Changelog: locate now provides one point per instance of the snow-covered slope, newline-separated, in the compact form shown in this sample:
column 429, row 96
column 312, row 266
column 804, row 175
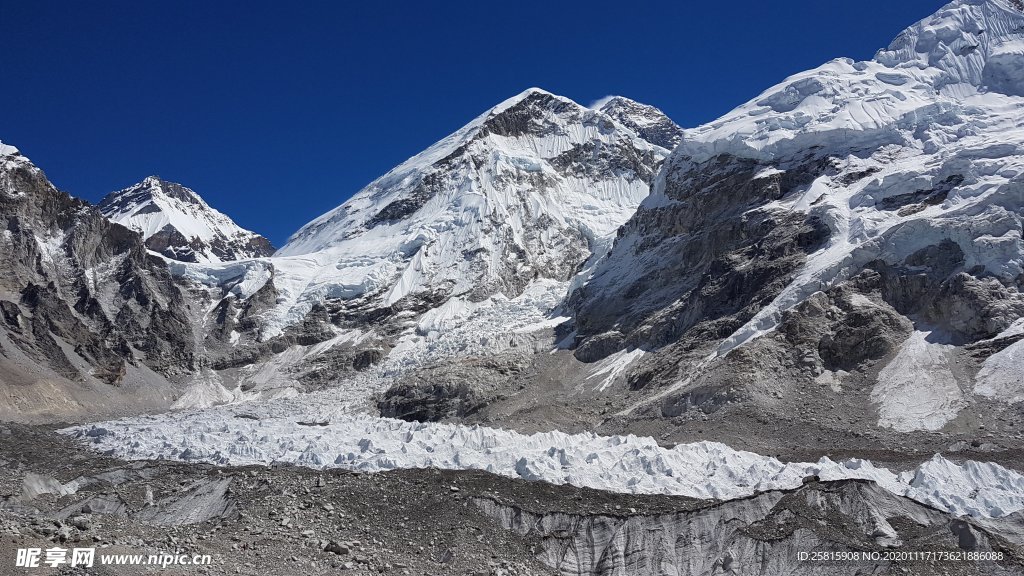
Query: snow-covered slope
column 939, row 108
column 177, row 223
column 936, row 110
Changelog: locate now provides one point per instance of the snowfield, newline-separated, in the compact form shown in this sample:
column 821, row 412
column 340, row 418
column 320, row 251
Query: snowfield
column 248, row 434
column 917, row 390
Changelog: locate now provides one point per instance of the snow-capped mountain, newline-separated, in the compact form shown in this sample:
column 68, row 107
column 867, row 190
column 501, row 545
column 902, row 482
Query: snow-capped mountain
column 528, row 190
column 502, row 214
column 859, row 222
column 178, row 223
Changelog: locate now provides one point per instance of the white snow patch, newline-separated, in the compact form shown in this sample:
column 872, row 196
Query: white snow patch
column 1002, row 375
column 769, row 171
column 1012, row 330
column 917, row 390
column 204, row 390
column 614, row 366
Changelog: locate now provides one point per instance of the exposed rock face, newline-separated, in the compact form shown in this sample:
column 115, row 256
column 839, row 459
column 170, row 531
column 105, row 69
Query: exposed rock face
column 700, row 262
column 451, row 390
column 177, row 223
column 764, row 534
column 82, row 300
column 647, row 121
column 843, row 328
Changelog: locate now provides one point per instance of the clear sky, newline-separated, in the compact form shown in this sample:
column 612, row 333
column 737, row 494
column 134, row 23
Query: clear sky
column 276, row 112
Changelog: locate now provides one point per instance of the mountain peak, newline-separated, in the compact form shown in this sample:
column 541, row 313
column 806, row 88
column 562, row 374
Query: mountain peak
column 11, row 156
column 176, row 222
column 533, row 111
column 157, row 186
column 648, row 122
column 529, row 93
column 524, row 195
column 525, row 132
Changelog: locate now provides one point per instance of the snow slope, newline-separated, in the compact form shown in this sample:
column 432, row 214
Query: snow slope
column 918, row 390
column 1002, row 374
column 330, row 439
column 179, row 224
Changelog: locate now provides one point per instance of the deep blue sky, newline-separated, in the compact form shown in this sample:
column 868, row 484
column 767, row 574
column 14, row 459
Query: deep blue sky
column 276, row 111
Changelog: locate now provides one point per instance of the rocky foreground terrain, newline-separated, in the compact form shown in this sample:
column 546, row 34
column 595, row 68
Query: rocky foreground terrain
column 287, row 520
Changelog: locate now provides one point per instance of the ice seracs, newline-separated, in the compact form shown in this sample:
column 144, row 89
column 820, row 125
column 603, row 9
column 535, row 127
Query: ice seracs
column 178, row 223
column 977, row 43
column 627, row 464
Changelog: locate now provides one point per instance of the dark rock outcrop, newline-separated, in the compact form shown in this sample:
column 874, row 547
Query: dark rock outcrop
column 700, row 264
column 81, row 296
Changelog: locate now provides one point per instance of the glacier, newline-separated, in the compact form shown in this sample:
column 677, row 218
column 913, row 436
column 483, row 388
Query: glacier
column 330, row 438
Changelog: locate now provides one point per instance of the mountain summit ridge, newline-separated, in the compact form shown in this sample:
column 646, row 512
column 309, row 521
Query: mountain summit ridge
column 523, row 114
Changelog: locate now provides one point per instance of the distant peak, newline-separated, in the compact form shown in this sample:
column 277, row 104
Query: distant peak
column 647, row 121
column 176, row 222
column 610, row 100
column 611, row 103
column 534, row 90
column 157, row 185
column 146, row 192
